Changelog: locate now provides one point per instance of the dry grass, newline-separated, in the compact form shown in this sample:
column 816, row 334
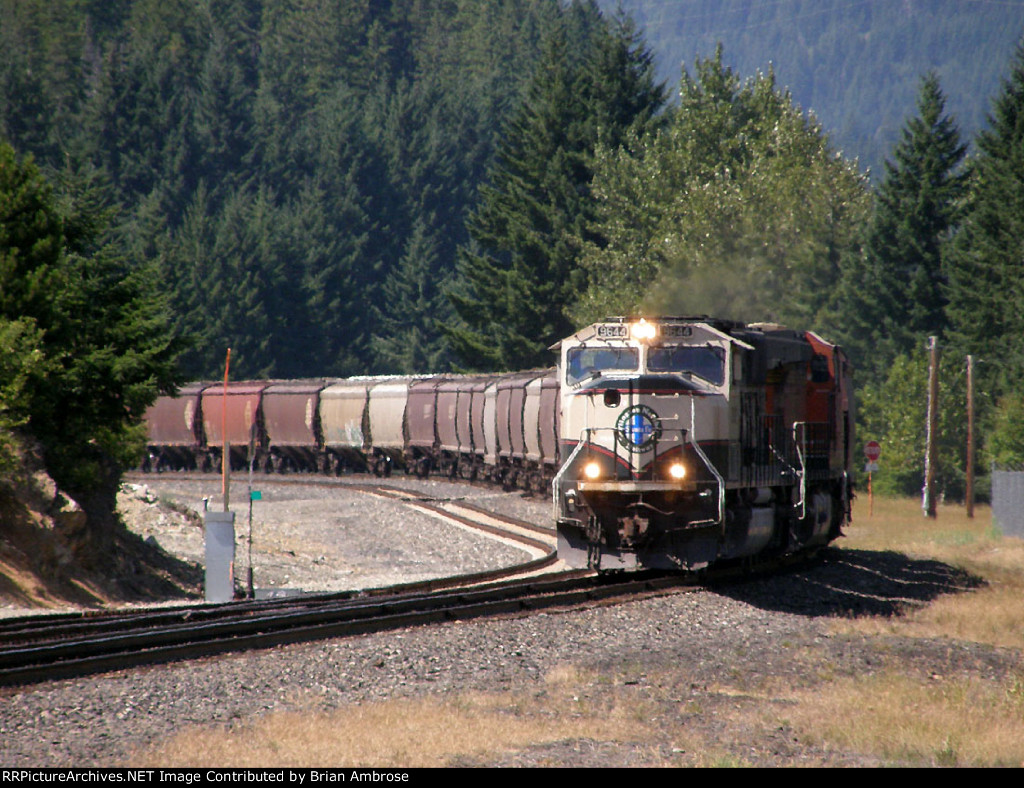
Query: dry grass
column 898, row 719
column 992, row 614
column 937, row 720
column 414, row 732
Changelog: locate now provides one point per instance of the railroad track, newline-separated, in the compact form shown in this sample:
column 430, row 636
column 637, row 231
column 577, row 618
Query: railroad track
column 46, row 649
column 56, row 646
column 540, row 542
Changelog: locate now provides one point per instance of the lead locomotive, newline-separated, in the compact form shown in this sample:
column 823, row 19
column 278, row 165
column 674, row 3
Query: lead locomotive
column 687, row 441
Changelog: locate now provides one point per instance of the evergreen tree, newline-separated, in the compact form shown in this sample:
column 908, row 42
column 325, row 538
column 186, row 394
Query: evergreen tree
column 986, row 276
column 98, row 323
column 144, row 108
column 1005, row 442
column 407, row 338
column 893, row 411
column 330, row 227
column 228, row 80
column 893, row 296
column 30, row 260
column 335, row 129
column 593, row 84
column 738, row 208
column 43, row 72
column 21, row 363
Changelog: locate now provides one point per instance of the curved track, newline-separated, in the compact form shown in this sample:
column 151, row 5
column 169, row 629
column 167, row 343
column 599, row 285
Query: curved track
column 44, row 647
column 49, row 647
column 539, row 542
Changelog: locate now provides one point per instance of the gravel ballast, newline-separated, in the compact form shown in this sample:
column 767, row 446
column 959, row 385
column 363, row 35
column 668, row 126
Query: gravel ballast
column 742, row 634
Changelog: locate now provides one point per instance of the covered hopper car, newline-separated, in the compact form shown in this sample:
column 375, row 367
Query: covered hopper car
column 446, row 424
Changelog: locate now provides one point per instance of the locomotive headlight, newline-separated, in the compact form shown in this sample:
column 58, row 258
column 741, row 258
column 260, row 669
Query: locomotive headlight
column 677, row 471
column 643, row 330
column 591, row 470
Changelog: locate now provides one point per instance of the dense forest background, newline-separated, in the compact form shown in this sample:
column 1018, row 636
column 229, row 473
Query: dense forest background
column 343, row 187
column 285, row 165
column 854, row 64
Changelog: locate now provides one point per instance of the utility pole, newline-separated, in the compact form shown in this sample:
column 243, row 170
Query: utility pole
column 970, row 436
column 928, row 497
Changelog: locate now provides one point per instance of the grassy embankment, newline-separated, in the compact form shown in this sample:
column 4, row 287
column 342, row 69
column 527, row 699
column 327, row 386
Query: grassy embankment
column 945, row 720
column 890, row 715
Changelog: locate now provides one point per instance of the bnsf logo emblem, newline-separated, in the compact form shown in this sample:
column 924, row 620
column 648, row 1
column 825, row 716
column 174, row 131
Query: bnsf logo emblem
column 638, row 428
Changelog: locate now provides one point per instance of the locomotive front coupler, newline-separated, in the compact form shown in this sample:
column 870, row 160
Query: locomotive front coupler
column 632, row 529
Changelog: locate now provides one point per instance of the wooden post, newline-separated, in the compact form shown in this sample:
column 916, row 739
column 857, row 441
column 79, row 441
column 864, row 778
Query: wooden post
column 970, row 436
column 225, row 449
column 928, row 497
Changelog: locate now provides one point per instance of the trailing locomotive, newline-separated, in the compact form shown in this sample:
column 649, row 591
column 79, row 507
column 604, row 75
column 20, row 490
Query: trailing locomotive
column 669, row 443
column 689, row 441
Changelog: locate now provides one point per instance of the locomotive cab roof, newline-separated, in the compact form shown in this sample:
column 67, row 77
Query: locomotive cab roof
column 657, row 328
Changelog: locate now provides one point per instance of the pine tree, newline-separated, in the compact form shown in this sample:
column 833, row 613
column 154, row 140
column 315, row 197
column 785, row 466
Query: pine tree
column 407, row 338
column 330, row 227
column 893, row 296
column 519, row 273
column 986, row 276
column 99, row 322
column 893, row 410
column 42, row 75
column 30, row 259
column 228, row 81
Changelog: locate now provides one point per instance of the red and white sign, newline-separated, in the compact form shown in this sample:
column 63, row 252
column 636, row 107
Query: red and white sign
column 872, row 450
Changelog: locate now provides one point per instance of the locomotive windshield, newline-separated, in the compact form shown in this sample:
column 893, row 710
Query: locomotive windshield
column 583, row 362
column 707, row 362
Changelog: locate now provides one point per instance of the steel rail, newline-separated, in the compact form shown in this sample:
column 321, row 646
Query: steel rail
column 55, row 625
column 157, row 645
column 87, row 635
column 55, row 647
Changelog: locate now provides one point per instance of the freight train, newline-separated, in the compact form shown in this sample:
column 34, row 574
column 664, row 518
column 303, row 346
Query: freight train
column 669, row 443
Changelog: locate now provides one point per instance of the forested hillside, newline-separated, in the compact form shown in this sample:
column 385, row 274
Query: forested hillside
column 333, row 187
column 855, row 64
column 289, row 166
